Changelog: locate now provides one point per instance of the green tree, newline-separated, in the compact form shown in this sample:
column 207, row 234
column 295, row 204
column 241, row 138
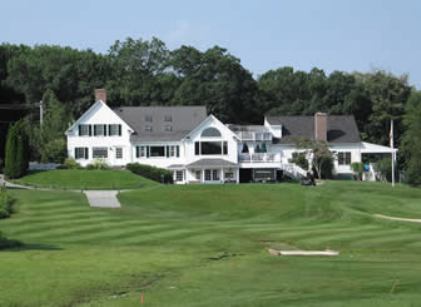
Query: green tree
column 412, row 139
column 50, row 137
column 216, row 79
column 319, row 154
column 17, row 151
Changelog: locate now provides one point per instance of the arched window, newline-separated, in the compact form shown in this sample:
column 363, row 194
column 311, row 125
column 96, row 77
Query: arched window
column 211, row 132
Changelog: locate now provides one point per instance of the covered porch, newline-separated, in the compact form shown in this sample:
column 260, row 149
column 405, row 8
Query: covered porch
column 212, row 171
column 370, row 153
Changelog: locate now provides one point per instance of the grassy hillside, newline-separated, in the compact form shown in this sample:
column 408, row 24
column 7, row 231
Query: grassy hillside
column 85, row 179
column 205, row 246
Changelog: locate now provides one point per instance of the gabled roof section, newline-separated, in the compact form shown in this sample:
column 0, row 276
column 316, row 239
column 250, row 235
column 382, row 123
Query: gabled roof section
column 208, row 119
column 340, row 128
column 92, row 109
column 159, row 123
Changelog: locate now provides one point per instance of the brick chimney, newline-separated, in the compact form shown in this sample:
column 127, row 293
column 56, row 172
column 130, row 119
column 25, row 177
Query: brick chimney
column 320, row 126
column 101, row 94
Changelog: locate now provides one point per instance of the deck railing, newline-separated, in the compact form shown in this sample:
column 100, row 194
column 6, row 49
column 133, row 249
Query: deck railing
column 254, row 136
column 259, row 158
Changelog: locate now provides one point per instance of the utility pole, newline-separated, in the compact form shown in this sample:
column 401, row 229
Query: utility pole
column 41, row 113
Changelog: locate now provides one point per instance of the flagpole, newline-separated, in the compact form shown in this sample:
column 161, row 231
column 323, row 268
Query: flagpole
column 393, row 153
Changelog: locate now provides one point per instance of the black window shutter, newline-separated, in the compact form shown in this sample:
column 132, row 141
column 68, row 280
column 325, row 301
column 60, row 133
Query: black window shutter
column 147, row 152
column 86, row 153
column 105, row 130
column 109, row 129
column 75, row 153
column 119, row 130
column 80, row 130
column 137, row 151
column 197, row 148
column 90, row 130
column 178, row 151
column 167, row 150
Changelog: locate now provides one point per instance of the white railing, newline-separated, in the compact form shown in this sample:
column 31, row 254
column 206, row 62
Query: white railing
column 293, row 170
column 259, row 158
column 254, row 136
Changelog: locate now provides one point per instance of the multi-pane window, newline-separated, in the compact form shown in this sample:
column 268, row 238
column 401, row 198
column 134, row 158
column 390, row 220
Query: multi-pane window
column 100, row 130
column 85, row 130
column 211, row 148
column 157, row 151
column 168, row 118
column 140, row 151
column 81, row 153
column 208, row 174
column 99, row 152
column 168, row 128
column 179, row 175
column 198, row 175
column 148, row 128
column 119, row 153
column 114, row 129
column 344, row 158
column 173, row 151
column 229, row 175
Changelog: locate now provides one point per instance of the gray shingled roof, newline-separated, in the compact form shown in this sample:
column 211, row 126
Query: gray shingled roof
column 184, row 120
column 211, row 163
column 340, row 128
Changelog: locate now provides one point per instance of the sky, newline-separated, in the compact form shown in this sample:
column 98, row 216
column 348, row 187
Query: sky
column 347, row 35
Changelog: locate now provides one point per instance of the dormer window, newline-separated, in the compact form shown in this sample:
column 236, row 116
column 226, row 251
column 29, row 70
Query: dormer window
column 148, row 118
column 168, row 118
column 148, row 128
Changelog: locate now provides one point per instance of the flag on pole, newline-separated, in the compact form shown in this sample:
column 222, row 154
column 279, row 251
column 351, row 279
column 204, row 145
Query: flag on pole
column 391, row 134
column 393, row 152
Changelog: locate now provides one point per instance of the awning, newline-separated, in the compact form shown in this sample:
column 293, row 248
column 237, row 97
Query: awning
column 374, row 148
column 211, row 163
column 176, row 166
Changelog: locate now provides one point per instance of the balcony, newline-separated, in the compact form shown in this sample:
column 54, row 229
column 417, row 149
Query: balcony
column 254, row 136
column 259, row 158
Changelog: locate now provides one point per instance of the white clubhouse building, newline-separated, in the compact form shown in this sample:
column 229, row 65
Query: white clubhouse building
column 200, row 148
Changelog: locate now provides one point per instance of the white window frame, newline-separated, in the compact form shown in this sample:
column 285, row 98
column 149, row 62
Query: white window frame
column 119, row 153
column 101, row 156
column 84, row 151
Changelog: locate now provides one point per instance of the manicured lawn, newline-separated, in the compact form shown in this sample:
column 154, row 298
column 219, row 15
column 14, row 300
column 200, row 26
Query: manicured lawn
column 85, row 179
column 205, row 246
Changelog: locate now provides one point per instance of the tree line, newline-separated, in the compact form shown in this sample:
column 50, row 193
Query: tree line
column 147, row 72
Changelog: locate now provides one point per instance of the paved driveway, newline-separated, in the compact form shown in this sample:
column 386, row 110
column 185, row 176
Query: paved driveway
column 103, row 199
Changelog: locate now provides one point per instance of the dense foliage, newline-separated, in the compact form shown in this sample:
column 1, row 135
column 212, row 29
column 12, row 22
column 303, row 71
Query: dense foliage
column 151, row 172
column 142, row 72
column 17, row 150
column 6, row 204
column 412, row 140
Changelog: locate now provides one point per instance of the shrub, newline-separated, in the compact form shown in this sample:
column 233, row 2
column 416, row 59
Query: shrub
column 358, row 169
column 6, row 243
column 71, row 163
column 98, row 164
column 151, row 172
column 6, row 204
column 384, row 168
column 299, row 158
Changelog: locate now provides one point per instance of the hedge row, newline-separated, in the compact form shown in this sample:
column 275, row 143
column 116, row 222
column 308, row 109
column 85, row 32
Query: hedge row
column 151, row 172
